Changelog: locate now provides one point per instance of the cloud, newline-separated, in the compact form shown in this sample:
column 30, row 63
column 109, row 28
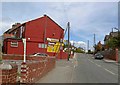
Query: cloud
column 93, row 18
column 60, row 0
column 5, row 24
column 86, row 18
column 82, row 45
column 78, row 44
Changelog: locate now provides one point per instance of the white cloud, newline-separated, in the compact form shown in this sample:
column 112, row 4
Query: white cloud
column 85, row 18
column 60, row 0
column 79, row 44
column 4, row 26
column 82, row 44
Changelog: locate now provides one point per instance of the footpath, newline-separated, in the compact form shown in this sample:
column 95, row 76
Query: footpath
column 62, row 73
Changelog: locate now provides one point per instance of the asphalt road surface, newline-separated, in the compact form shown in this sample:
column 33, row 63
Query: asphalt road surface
column 89, row 70
column 83, row 68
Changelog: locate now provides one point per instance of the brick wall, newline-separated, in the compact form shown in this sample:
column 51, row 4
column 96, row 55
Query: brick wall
column 119, row 56
column 33, row 70
column 19, row 57
column 111, row 54
column 7, row 74
column 60, row 55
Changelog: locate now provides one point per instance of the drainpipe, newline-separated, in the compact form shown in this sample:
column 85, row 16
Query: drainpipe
column 24, row 43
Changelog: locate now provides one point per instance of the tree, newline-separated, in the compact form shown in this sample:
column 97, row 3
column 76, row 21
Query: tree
column 98, row 47
column 78, row 50
column 113, row 43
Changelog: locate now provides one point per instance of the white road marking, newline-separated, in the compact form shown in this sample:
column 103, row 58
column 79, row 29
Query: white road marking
column 98, row 65
column 103, row 67
column 110, row 71
column 90, row 61
column 74, row 61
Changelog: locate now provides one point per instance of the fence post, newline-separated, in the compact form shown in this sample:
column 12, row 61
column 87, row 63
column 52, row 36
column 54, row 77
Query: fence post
column 23, row 73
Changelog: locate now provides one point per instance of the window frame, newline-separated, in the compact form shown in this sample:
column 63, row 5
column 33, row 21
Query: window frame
column 12, row 44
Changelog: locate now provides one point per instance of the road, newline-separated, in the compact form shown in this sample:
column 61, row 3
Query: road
column 83, row 68
column 89, row 70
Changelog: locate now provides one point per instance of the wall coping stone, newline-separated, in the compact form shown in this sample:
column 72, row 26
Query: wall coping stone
column 6, row 66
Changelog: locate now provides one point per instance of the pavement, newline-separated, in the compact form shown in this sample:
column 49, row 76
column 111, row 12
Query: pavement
column 109, row 61
column 82, row 69
column 62, row 73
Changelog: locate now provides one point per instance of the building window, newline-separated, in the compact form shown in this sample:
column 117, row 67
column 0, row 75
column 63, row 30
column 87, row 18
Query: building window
column 45, row 46
column 14, row 44
column 39, row 45
column 42, row 45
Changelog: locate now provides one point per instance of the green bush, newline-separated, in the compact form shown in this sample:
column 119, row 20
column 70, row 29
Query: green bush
column 78, row 50
column 113, row 43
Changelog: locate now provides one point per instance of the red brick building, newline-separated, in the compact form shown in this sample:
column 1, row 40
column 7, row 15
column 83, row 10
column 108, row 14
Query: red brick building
column 39, row 33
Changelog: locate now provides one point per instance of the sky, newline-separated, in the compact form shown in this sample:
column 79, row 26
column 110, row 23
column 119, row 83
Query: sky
column 86, row 18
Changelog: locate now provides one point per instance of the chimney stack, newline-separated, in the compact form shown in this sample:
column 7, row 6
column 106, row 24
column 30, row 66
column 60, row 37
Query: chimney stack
column 45, row 15
column 15, row 25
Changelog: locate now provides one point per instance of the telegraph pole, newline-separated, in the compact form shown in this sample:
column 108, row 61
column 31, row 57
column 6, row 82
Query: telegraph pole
column 45, row 32
column 94, row 42
column 88, row 46
column 68, row 40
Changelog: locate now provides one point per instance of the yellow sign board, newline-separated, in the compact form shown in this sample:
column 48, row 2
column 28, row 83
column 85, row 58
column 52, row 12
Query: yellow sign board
column 54, row 47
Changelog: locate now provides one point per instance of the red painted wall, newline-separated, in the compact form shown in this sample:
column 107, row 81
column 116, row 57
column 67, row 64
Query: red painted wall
column 53, row 28
column 15, row 50
column 32, row 47
column 35, row 29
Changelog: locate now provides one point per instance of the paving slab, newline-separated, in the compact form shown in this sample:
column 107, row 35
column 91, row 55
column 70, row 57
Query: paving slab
column 62, row 73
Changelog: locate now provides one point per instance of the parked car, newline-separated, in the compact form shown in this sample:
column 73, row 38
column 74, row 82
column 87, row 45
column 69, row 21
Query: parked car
column 98, row 56
column 40, row 54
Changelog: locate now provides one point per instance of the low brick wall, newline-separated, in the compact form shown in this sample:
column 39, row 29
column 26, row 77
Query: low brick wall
column 60, row 55
column 118, row 56
column 34, row 68
column 8, row 73
column 111, row 54
column 20, row 57
column 32, row 71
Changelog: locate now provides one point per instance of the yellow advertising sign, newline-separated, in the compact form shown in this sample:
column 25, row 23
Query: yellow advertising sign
column 54, row 47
